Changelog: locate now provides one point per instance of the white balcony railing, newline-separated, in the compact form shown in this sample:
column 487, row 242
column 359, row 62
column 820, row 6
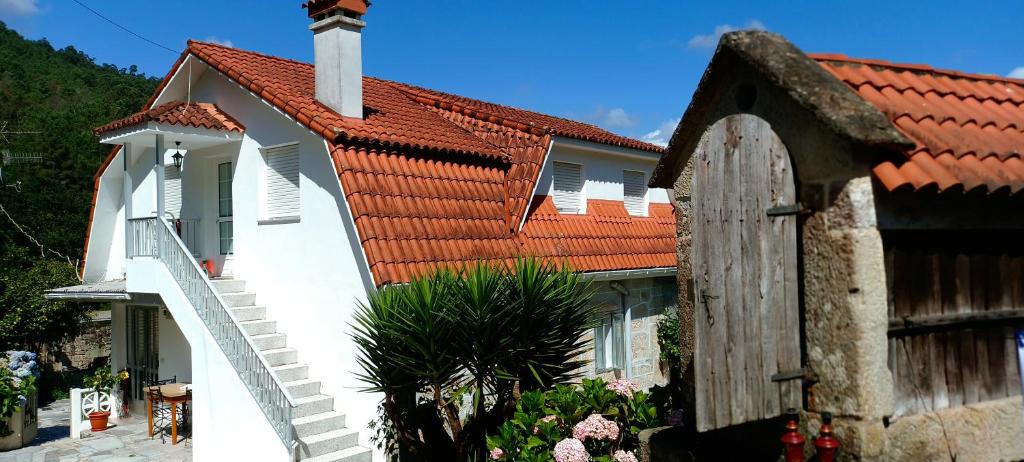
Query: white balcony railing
column 155, row 238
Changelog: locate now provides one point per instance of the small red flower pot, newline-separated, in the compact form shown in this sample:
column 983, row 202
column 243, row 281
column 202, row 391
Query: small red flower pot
column 98, row 420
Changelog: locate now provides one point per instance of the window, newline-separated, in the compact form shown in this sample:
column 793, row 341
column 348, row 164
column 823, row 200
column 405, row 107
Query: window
column 225, row 224
column 172, row 190
column 282, row 188
column 610, row 341
column 634, row 192
column 568, row 179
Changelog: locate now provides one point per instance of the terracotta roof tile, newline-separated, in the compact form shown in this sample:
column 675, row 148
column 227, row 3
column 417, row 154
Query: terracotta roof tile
column 198, row 115
column 968, row 128
column 434, row 179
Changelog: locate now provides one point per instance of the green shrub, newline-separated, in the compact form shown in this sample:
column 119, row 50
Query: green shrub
column 470, row 342
column 606, row 418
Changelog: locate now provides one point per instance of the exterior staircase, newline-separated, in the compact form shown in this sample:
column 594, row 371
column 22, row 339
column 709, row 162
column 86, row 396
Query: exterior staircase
column 320, row 429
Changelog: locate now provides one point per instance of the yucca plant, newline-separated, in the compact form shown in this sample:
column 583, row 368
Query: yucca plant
column 487, row 331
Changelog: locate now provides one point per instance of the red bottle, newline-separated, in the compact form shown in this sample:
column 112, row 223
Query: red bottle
column 826, row 444
column 792, row 440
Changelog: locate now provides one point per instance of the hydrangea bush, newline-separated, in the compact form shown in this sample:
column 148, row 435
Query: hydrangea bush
column 598, row 421
column 17, row 383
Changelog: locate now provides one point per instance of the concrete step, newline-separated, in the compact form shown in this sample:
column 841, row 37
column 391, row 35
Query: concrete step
column 324, row 443
column 303, row 388
column 224, row 286
column 250, row 313
column 353, row 454
column 270, row 341
column 260, row 327
column 318, row 423
column 239, row 299
column 292, row 372
column 313, row 405
column 281, row 356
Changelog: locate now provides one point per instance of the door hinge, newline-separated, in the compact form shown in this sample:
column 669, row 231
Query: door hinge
column 788, row 209
column 801, row 374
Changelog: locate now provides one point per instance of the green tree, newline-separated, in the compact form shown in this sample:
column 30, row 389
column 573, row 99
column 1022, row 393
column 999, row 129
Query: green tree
column 483, row 336
column 62, row 94
column 27, row 320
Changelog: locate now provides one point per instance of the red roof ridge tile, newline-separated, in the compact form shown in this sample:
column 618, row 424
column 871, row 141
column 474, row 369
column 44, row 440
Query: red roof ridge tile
column 842, row 58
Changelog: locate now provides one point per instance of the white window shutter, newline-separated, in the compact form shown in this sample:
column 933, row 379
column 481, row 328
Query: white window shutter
column 568, row 179
column 634, row 192
column 172, row 190
column 282, row 200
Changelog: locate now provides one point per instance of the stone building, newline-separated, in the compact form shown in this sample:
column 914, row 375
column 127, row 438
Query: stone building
column 880, row 206
column 645, row 301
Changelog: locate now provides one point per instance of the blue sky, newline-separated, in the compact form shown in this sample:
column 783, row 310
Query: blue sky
column 630, row 67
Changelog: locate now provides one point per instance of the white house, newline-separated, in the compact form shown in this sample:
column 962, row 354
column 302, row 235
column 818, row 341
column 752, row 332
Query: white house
column 302, row 188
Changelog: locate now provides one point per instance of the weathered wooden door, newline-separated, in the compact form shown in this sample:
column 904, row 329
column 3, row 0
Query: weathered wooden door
column 747, row 327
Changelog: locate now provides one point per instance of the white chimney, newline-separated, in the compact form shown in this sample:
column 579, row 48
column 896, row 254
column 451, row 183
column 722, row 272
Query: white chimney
column 338, row 56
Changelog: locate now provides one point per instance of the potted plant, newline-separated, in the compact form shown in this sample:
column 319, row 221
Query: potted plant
column 18, row 423
column 102, row 380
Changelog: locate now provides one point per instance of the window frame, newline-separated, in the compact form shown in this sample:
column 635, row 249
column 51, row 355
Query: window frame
column 265, row 218
column 607, row 357
column 581, row 199
column 644, row 199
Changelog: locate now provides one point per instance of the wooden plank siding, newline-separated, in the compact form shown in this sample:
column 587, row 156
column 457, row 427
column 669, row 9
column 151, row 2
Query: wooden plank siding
column 954, row 301
column 745, row 275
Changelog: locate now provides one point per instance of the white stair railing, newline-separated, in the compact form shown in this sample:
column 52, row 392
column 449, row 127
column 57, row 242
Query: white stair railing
column 154, row 238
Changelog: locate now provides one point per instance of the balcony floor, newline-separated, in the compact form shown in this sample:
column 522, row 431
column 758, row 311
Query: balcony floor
column 128, row 441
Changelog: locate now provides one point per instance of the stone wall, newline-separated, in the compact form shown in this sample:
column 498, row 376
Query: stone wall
column 82, row 352
column 647, row 299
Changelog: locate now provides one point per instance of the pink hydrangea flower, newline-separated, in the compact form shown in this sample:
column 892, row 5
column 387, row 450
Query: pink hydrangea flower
column 623, row 456
column 497, row 453
column 596, row 427
column 623, row 387
column 571, row 450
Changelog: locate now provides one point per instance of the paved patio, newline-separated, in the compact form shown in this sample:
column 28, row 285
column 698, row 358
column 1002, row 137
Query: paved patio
column 128, row 441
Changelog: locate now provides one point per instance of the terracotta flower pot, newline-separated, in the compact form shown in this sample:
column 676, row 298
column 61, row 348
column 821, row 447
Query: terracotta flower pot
column 98, row 420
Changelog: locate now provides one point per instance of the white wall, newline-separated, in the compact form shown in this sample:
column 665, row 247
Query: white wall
column 308, row 273
column 174, row 353
column 104, row 259
column 228, row 424
column 602, row 170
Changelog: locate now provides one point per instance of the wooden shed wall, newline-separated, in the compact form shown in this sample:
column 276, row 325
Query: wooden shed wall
column 954, row 301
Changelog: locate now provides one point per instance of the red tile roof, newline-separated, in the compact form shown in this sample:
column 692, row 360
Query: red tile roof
column 968, row 128
column 198, row 115
column 434, row 179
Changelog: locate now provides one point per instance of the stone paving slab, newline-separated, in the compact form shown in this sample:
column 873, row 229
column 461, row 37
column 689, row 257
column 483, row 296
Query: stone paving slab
column 126, row 442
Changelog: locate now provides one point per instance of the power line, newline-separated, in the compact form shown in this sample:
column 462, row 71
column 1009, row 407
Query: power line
column 97, row 13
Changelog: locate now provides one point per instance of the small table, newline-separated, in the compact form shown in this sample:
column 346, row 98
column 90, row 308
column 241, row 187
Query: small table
column 173, row 393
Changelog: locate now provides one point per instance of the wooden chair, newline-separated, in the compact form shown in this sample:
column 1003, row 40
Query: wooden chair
column 161, row 408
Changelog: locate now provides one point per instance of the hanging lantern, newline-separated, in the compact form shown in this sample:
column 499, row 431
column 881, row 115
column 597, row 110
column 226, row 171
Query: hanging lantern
column 177, row 157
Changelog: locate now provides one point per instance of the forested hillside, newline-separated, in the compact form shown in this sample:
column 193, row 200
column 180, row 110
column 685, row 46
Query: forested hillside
column 62, row 94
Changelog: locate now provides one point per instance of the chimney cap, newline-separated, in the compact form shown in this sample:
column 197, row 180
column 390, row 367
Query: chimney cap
column 321, row 7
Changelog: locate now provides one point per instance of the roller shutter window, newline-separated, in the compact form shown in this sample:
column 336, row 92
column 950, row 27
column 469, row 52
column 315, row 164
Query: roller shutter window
column 282, row 200
column 634, row 192
column 568, row 179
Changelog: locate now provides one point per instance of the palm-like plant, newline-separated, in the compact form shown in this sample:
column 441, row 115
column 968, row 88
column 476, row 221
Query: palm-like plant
column 487, row 330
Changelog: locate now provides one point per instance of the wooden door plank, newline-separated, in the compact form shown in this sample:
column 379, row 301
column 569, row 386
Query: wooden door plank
column 736, row 147
column 753, row 169
column 979, row 300
column 968, row 360
column 705, row 398
column 715, row 194
column 936, row 341
column 948, row 287
column 788, row 333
